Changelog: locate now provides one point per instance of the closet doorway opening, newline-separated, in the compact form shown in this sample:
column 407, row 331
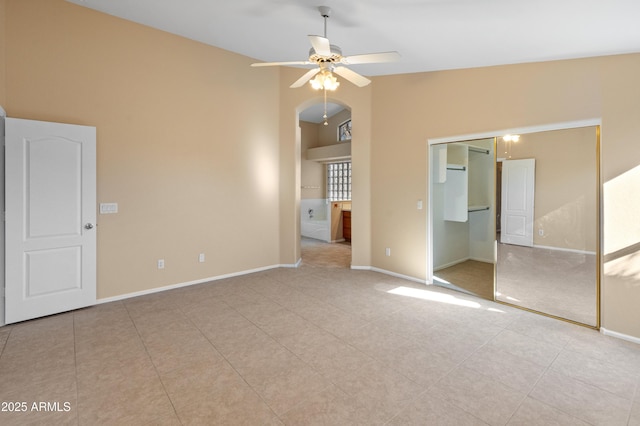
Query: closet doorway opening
column 463, row 218
column 325, row 193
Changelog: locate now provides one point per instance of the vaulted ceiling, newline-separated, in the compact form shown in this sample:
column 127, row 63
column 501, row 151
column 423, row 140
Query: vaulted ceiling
column 429, row 34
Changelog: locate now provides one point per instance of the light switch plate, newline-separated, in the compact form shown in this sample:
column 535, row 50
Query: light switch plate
column 108, row 208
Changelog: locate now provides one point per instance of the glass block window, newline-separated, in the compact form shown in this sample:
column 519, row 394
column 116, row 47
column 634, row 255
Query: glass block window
column 339, row 181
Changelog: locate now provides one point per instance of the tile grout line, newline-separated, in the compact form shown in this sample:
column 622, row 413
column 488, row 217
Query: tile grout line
column 75, row 364
column 4, row 345
column 224, row 356
column 155, row 368
column 544, row 373
column 465, row 352
column 294, row 354
column 636, row 395
column 546, row 369
column 460, row 364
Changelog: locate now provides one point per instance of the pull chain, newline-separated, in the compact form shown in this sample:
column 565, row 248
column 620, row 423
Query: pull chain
column 325, row 108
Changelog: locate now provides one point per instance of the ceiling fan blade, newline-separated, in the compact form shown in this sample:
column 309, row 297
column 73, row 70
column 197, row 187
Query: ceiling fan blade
column 352, row 76
column 370, row 58
column 321, row 45
column 273, row 64
column 306, row 77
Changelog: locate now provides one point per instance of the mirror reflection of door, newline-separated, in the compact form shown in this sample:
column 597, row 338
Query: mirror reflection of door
column 557, row 274
column 517, row 201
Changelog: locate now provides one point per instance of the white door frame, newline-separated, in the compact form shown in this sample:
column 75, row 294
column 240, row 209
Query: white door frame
column 483, row 135
column 3, row 115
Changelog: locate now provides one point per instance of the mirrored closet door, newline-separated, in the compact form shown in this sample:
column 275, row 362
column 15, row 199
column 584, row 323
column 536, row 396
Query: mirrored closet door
column 516, row 219
column 548, row 231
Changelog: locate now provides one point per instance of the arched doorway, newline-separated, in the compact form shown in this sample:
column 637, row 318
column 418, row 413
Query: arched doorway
column 325, row 190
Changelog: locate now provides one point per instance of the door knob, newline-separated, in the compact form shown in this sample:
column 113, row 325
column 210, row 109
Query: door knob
column 88, row 226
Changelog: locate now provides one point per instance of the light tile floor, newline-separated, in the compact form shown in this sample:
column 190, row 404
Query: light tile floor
column 314, row 346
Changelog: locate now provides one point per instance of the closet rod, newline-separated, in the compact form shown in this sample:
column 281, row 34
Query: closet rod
column 460, row 169
column 477, row 209
column 476, row 149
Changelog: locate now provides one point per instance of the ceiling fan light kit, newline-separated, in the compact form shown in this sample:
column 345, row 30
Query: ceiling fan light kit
column 325, row 80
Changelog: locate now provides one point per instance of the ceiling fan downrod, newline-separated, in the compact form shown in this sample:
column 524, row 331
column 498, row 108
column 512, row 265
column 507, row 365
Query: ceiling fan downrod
column 325, row 12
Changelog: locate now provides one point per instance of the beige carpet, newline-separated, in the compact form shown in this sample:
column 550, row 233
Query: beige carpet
column 318, row 254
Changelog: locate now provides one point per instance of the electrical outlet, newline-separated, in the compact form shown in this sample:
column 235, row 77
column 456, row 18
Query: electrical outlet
column 387, row 251
column 160, row 263
column 201, row 257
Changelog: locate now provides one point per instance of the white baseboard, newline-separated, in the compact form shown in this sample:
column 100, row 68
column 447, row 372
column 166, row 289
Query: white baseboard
column 603, row 330
column 360, row 268
column 564, row 249
column 288, row 265
column 622, row 336
column 479, row 259
column 236, row 274
column 395, row 274
column 450, row 264
column 189, row 283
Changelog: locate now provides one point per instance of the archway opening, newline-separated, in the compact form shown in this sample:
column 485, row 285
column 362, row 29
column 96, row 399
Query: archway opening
column 325, row 184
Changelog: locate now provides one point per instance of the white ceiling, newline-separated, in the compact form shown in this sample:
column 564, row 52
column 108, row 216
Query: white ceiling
column 429, row 34
column 315, row 113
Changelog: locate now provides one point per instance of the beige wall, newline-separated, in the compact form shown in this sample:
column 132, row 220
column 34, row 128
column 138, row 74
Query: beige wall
column 202, row 152
column 187, row 140
column 621, row 181
column 2, row 54
column 565, row 185
column 313, row 181
column 328, row 135
column 410, row 109
column 450, row 103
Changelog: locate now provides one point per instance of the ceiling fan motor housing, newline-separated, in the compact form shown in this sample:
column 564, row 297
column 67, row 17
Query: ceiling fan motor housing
column 336, row 55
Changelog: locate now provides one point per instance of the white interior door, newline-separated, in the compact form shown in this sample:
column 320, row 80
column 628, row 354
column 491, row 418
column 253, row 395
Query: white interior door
column 518, row 191
column 50, row 218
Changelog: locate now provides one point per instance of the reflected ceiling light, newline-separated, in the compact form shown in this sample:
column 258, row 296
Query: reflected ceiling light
column 325, row 80
column 509, row 139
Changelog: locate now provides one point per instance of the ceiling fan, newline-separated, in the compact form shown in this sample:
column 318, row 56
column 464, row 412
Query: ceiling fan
column 328, row 58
